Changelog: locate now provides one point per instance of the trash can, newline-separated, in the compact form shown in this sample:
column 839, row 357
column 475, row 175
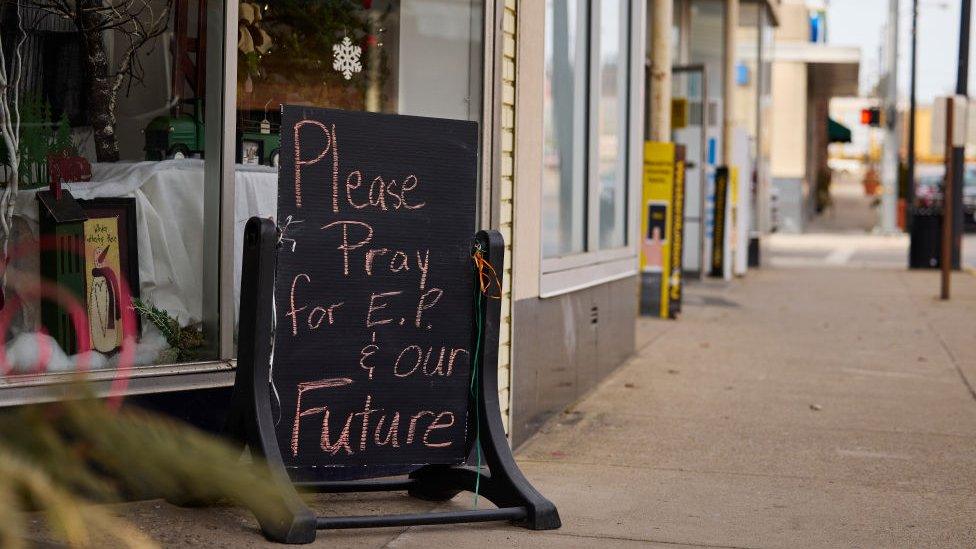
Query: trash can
column 925, row 248
column 926, row 239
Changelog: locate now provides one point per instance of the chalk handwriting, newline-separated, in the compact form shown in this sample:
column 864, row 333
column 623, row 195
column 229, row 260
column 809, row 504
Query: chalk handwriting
column 398, row 280
column 298, row 155
column 333, row 442
column 346, row 246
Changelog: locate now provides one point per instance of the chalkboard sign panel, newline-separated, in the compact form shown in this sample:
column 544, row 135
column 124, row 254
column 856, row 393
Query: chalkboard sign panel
column 374, row 289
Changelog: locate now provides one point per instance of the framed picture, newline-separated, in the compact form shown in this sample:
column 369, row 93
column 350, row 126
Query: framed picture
column 250, row 151
column 124, row 210
column 103, row 275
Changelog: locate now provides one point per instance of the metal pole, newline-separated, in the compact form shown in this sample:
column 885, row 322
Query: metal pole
column 889, row 161
column 945, row 260
column 959, row 153
column 910, row 194
column 703, row 172
column 962, row 69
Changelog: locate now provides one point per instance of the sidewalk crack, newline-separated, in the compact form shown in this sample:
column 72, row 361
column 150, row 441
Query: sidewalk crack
column 955, row 363
column 945, row 346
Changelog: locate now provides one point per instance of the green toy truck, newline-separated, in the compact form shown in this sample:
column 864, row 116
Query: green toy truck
column 183, row 136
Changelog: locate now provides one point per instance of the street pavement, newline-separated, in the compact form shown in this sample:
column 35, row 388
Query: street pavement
column 796, row 407
column 847, row 235
column 824, row 400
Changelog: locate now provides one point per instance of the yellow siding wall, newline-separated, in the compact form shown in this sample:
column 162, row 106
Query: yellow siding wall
column 788, row 142
column 506, row 207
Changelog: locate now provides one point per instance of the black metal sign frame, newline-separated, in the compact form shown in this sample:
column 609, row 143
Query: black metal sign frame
column 251, row 423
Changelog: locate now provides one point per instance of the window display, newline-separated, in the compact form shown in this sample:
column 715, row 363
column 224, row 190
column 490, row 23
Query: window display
column 102, row 176
column 419, row 57
column 109, row 99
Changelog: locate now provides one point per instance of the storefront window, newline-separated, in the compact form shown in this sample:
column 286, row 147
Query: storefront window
column 584, row 201
column 417, row 57
column 111, row 109
column 563, row 191
column 125, row 109
column 611, row 140
column 706, row 38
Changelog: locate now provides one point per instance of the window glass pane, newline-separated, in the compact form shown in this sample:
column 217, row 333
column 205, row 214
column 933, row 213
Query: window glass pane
column 707, row 41
column 677, row 8
column 611, row 131
column 113, row 111
column 417, row 57
column 420, row 57
column 745, row 69
column 563, row 192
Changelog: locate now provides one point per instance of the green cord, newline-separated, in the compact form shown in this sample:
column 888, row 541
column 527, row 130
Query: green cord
column 474, row 393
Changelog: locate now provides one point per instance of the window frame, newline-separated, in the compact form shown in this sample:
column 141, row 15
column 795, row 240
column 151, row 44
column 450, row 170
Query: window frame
column 219, row 251
column 567, row 273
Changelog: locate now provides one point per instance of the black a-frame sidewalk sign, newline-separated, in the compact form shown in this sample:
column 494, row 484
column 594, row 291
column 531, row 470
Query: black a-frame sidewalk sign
column 250, row 422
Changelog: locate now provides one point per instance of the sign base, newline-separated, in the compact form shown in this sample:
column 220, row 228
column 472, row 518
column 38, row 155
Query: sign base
column 250, row 423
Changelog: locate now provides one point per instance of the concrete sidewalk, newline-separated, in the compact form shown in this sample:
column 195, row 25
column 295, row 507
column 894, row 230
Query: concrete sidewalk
column 793, row 408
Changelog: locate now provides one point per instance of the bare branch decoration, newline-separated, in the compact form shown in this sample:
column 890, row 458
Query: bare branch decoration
column 139, row 23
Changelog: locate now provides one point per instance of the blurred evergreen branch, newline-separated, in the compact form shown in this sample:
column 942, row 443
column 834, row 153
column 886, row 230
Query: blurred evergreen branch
column 60, row 458
column 24, row 486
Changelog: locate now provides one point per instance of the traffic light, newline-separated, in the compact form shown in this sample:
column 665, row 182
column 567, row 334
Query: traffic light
column 871, row 116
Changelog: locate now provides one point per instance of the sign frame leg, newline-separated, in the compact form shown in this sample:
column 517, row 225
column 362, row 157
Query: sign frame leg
column 250, row 422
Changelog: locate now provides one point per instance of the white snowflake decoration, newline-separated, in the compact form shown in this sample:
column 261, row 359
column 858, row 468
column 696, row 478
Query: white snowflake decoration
column 345, row 58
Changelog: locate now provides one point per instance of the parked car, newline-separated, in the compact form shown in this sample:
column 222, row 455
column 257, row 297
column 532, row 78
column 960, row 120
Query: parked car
column 928, row 191
column 969, row 198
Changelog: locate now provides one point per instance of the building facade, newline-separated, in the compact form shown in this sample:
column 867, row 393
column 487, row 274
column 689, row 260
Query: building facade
column 184, row 127
column 191, row 138
column 579, row 122
column 807, row 73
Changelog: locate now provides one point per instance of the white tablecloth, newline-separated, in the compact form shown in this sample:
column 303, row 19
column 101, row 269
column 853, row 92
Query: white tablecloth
column 169, row 221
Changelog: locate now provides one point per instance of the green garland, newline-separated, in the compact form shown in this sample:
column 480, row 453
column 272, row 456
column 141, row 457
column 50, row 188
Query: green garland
column 186, row 341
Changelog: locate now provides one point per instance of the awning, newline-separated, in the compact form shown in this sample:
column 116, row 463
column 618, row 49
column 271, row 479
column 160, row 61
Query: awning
column 837, row 132
column 833, row 71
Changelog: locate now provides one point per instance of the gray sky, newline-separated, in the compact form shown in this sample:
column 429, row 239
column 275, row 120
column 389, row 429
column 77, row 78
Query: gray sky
column 861, row 22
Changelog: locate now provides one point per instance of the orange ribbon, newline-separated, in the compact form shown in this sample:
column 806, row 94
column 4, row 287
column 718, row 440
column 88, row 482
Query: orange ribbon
column 486, row 275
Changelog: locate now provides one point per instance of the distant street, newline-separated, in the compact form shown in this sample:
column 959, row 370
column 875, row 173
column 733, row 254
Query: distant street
column 844, row 237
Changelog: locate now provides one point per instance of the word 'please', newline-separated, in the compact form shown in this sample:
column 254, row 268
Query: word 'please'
column 357, row 190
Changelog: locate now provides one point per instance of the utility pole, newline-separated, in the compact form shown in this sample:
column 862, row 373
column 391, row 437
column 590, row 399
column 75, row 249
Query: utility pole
column 728, row 94
column 660, row 81
column 959, row 152
column 910, row 195
column 889, row 158
column 948, row 202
